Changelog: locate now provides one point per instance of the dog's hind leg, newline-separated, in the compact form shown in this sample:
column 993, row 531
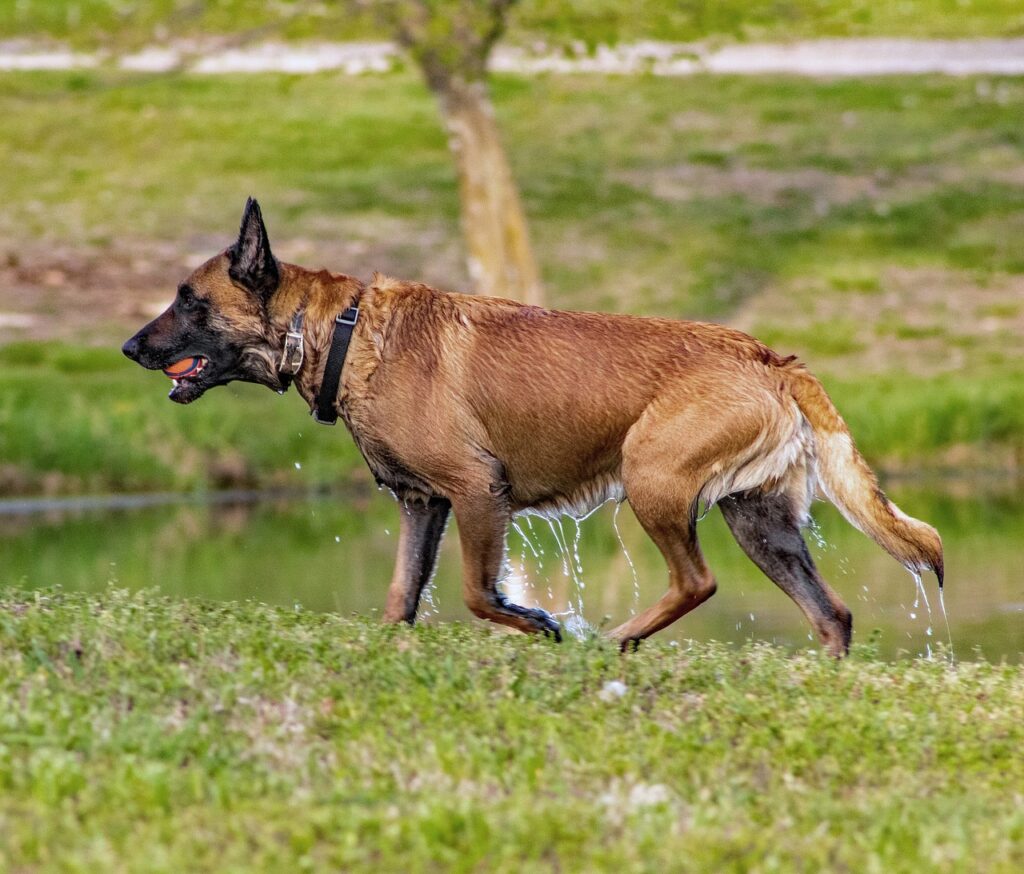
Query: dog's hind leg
column 690, row 581
column 420, row 531
column 662, row 485
column 483, row 523
column 767, row 527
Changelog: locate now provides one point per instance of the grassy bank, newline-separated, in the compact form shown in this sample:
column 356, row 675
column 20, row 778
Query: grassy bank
column 734, row 187
column 589, row 20
column 138, row 733
column 84, row 420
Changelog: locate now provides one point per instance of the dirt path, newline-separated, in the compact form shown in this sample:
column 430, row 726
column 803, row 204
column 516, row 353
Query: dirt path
column 827, row 57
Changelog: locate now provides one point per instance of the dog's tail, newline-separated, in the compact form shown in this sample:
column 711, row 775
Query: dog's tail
column 851, row 485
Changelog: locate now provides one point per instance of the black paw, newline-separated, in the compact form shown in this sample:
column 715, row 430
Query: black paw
column 547, row 624
column 542, row 621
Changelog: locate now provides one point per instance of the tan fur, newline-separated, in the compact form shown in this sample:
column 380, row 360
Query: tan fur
column 851, row 485
column 491, row 408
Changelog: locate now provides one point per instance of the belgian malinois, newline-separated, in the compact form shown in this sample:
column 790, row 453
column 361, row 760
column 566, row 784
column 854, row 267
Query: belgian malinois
column 488, row 408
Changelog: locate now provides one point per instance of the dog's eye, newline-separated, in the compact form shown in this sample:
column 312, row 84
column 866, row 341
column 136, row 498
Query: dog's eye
column 186, row 298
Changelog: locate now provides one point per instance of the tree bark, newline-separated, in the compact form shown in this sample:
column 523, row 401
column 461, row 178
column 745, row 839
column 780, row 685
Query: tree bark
column 499, row 256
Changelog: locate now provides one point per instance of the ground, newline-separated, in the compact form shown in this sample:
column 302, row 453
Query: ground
column 242, row 737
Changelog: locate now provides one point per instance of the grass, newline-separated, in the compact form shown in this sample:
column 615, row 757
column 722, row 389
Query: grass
column 143, row 734
column 76, row 420
column 804, row 175
column 592, row 21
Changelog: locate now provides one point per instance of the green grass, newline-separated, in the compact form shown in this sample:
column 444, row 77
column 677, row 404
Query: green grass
column 911, row 172
column 593, row 21
column 143, row 734
column 76, row 420
column 905, row 417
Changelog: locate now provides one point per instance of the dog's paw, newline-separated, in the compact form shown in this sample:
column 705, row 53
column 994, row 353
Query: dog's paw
column 547, row 624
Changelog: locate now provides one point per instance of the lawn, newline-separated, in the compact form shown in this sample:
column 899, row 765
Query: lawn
column 662, row 196
column 593, row 21
column 143, row 734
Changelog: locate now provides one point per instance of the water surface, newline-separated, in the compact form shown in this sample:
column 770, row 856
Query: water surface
column 336, row 554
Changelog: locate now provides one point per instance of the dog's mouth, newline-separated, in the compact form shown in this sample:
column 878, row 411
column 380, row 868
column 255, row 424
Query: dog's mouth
column 187, row 376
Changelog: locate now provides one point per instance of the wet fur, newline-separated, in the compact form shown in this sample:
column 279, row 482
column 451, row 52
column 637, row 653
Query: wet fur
column 484, row 408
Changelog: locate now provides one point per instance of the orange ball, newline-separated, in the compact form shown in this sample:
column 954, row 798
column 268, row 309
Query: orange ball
column 185, row 367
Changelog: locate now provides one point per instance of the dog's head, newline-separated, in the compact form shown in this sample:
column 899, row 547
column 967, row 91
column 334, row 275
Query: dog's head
column 217, row 329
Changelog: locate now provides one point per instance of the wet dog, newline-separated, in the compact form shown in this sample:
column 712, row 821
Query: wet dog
column 486, row 408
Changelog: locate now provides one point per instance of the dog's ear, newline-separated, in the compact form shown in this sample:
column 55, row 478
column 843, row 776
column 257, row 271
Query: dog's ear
column 252, row 263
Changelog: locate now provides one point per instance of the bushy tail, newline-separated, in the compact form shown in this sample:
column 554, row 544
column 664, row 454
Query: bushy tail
column 851, row 485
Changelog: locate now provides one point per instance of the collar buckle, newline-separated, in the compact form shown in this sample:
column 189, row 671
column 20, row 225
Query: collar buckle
column 349, row 317
column 294, row 351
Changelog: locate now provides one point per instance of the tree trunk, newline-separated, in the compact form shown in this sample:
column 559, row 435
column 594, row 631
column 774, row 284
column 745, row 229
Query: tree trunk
column 499, row 256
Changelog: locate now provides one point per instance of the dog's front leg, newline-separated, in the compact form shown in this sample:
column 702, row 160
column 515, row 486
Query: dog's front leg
column 420, row 531
column 483, row 524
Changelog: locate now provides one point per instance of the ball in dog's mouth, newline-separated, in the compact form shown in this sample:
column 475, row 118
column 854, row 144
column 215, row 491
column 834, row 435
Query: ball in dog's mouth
column 185, row 376
column 187, row 367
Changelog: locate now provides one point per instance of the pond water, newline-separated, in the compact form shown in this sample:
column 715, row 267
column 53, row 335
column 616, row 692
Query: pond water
column 335, row 553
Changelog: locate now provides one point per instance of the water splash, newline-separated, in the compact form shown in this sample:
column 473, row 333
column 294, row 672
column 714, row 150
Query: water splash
column 574, row 624
column 814, row 530
column 945, row 619
column 572, row 568
column 922, row 595
column 563, row 549
column 629, row 560
column 430, row 604
column 527, row 541
column 919, row 595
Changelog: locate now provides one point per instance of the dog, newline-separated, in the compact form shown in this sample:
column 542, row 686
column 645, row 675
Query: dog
column 486, row 408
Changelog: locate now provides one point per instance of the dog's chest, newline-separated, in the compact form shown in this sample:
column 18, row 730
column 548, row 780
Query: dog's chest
column 385, row 465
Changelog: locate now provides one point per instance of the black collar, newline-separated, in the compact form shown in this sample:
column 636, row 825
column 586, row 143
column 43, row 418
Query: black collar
column 326, row 410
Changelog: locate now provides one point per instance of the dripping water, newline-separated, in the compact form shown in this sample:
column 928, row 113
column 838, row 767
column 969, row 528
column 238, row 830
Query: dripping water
column 629, row 560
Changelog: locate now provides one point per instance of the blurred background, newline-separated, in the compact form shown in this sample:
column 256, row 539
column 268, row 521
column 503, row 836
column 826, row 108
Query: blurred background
column 845, row 180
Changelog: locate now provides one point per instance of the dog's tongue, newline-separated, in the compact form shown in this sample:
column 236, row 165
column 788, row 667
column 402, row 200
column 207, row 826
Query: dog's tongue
column 183, row 368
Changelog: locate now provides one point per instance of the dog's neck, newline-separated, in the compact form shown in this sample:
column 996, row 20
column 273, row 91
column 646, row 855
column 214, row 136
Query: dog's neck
column 320, row 295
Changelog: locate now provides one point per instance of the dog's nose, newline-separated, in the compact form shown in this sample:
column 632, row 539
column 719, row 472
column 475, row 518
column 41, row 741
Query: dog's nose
column 131, row 348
